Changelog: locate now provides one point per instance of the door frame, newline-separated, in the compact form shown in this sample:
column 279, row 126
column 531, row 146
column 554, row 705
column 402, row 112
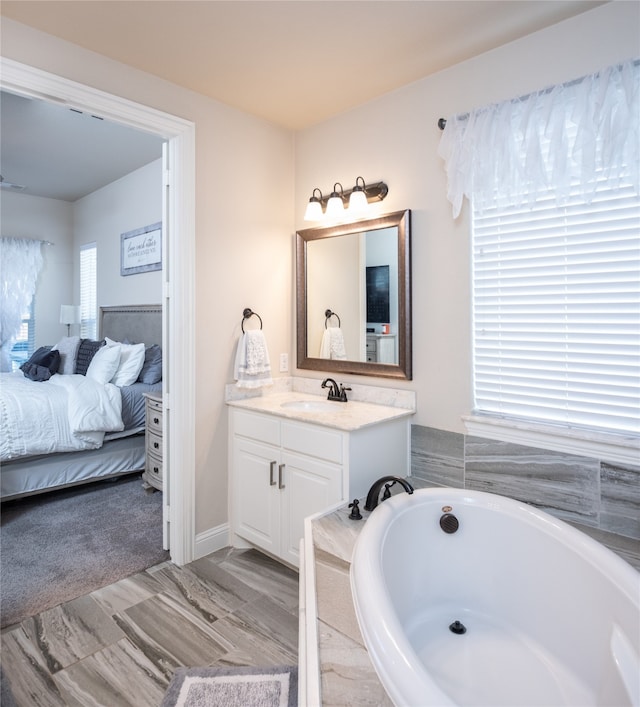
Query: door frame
column 178, row 281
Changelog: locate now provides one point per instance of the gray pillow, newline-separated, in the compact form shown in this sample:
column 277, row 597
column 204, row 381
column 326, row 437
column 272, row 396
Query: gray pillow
column 68, row 348
column 86, row 351
column 42, row 364
column 152, row 367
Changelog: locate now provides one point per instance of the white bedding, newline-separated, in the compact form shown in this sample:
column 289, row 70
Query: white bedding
column 64, row 414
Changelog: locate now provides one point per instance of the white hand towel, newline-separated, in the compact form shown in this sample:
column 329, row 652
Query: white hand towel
column 252, row 368
column 332, row 345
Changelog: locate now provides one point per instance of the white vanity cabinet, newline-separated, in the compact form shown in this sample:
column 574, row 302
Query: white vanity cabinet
column 282, row 471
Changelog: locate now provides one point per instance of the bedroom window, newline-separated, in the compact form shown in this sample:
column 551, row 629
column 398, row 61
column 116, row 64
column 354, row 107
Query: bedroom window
column 88, row 290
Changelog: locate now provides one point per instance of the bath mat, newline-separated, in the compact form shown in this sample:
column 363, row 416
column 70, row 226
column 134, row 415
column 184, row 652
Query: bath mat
column 233, row 687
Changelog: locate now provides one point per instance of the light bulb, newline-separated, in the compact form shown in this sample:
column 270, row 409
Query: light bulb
column 314, row 207
column 358, row 203
column 314, row 210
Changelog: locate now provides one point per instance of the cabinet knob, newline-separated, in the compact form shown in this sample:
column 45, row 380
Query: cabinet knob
column 156, row 445
column 156, row 470
column 156, row 420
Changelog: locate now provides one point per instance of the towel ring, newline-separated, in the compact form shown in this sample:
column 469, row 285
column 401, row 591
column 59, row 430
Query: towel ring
column 246, row 314
column 328, row 314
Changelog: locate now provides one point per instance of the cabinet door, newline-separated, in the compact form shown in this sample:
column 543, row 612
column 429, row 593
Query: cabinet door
column 310, row 486
column 256, row 498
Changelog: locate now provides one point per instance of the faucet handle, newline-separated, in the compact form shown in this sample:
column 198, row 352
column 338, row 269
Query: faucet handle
column 343, row 393
column 355, row 510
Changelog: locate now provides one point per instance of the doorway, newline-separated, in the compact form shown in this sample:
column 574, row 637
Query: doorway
column 178, row 282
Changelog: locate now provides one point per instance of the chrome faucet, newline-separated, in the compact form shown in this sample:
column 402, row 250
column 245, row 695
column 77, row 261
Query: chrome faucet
column 336, row 392
column 387, row 482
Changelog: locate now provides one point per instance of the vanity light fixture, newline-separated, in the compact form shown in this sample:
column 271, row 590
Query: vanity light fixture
column 357, row 198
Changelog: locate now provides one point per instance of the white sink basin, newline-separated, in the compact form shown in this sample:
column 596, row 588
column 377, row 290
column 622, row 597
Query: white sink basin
column 312, row 405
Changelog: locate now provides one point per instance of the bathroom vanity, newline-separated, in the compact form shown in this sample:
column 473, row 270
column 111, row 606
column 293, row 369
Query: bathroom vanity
column 292, row 455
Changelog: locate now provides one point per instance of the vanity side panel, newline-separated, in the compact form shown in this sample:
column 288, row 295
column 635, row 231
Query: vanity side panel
column 375, row 451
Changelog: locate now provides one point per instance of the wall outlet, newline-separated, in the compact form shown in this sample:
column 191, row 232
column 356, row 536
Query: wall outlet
column 284, row 362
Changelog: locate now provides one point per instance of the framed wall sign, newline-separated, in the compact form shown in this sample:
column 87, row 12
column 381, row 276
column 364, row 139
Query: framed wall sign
column 141, row 250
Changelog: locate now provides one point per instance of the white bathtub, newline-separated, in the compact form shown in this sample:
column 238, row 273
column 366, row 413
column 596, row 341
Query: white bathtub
column 552, row 617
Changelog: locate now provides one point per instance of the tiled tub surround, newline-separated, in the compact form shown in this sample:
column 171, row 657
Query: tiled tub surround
column 346, row 675
column 581, row 490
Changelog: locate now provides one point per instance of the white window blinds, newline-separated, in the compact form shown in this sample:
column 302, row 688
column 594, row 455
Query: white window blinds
column 88, row 290
column 556, row 308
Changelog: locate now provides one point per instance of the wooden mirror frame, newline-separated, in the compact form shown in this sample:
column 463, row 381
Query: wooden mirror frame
column 403, row 370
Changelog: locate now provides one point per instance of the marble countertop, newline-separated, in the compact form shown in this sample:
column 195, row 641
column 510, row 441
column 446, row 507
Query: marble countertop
column 349, row 416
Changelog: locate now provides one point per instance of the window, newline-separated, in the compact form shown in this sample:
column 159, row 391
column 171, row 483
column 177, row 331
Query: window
column 24, row 344
column 88, row 290
column 556, row 309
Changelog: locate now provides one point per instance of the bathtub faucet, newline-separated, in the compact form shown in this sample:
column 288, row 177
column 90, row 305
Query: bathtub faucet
column 387, row 482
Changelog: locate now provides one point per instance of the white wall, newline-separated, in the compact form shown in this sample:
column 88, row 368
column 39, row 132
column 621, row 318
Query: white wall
column 132, row 202
column 395, row 139
column 25, row 216
column 244, row 256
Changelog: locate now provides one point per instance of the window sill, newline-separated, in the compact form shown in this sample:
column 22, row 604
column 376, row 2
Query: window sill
column 618, row 449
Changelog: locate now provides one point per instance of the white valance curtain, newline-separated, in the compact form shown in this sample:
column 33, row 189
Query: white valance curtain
column 20, row 265
column 508, row 152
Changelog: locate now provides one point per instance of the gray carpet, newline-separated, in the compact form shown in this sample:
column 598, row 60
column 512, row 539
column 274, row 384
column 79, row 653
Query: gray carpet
column 60, row 545
column 233, row 687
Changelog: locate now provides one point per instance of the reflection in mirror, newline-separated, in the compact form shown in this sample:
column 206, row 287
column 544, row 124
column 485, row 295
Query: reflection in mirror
column 354, row 297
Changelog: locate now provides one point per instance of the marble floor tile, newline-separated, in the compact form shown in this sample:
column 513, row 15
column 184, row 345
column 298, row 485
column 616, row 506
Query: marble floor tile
column 24, row 667
column 262, row 631
column 127, row 592
column 265, row 575
column 119, row 646
column 106, row 678
column 70, row 632
column 169, row 633
column 208, row 588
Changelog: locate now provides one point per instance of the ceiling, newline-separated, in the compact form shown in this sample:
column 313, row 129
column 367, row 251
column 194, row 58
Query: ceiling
column 291, row 62
column 59, row 153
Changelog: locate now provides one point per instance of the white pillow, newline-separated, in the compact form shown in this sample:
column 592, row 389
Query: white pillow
column 68, row 348
column 131, row 362
column 104, row 364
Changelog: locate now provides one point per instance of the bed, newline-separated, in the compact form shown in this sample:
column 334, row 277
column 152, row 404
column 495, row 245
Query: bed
column 110, row 453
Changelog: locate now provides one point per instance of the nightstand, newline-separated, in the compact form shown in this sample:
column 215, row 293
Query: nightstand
column 152, row 475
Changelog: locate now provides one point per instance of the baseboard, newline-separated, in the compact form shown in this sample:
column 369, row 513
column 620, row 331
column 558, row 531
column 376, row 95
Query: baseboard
column 211, row 540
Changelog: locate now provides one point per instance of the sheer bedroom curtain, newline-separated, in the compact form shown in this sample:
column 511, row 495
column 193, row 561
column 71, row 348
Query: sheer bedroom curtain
column 510, row 152
column 20, row 265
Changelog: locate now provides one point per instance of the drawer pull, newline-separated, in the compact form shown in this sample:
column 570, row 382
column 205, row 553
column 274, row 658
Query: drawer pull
column 156, row 420
column 280, row 484
column 272, row 467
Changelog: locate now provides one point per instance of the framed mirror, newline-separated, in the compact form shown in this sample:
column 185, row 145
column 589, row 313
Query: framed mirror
column 353, row 297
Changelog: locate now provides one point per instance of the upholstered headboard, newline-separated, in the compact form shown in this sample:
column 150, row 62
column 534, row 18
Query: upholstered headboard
column 138, row 323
